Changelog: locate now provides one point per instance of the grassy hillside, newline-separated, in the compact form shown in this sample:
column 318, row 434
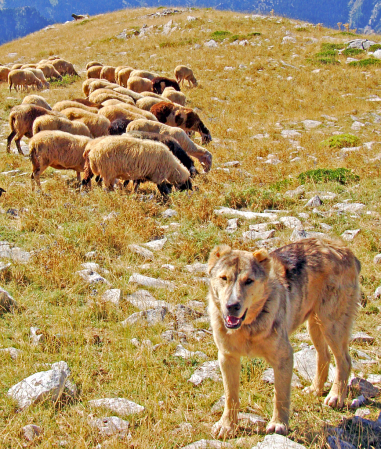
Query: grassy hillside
column 247, row 95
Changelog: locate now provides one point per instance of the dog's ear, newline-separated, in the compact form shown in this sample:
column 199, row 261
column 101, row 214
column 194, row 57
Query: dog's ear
column 216, row 253
column 262, row 257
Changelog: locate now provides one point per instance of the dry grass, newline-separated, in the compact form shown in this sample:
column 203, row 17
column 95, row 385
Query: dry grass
column 64, row 225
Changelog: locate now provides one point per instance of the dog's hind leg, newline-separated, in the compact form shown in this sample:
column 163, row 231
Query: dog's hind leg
column 230, row 369
column 322, row 357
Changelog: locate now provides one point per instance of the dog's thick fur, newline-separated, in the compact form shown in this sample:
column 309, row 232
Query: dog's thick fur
column 256, row 300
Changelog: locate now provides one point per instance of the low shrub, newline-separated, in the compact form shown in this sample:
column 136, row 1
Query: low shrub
column 340, row 175
column 341, row 141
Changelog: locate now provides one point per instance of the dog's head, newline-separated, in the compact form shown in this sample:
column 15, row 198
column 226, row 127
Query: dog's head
column 238, row 280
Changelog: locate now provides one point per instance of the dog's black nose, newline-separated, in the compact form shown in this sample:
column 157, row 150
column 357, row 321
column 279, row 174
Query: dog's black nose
column 233, row 306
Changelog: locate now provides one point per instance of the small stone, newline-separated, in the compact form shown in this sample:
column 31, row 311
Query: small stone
column 184, row 314
column 186, row 354
column 147, row 281
column 91, row 255
column 112, row 296
column 374, row 379
column 172, row 335
column 364, row 387
column 349, row 235
column 305, row 364
column 31, row 431
column 92, row 277
column 377, row 293
column 169, row 213
column 156, row 245
column 278, row 442
column 268, row 376
column 110, row 426
column 7, row 303
column 208, row 370
column 326, row 227
column 335, row 443
column 197, row 267
column 377, row 259
column 208, row 444
column 121, row 406
column 244, row 214
column 296, row 193
column 290, row 133
column 218, row 405
column 13, row 352
column 143, row 252
column 151, row 317
column 211, row 44
column 362, row 337
column 257, row 235
column 232, row 225
column 314, row 202
column 358, row 402
column 250, row 420
column 362, row 412
column 311, row 124
column 36, row 336
column 169, row 267
column 350, row 207
column 143, row 300
column 291, row 222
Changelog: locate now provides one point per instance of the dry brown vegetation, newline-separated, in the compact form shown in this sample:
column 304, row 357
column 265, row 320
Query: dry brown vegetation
column 277, row 87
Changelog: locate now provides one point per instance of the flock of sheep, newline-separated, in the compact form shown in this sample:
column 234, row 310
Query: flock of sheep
column 132, row 125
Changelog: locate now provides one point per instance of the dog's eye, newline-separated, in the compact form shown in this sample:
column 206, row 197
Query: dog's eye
column 249, row 281
column 224, row 278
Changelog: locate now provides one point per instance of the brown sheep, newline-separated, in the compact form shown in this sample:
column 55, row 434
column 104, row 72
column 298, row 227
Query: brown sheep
column 93, row 64
column 126, row 158
column 4, row 72
column 144, row 74
column 117, row 112
column 64, row 67
column 97, row 124
column 138, row 84
column 123, row 75
column 56, row 149
column 94, row 71
column 49, row 71
column 193, row 150
column 175, row 97
column 65, row 104
column 36, row 100
column 21, row 121
column 23, row 79
column 108, row 73
column 184, row 73
column 184, row 118
column 53, row 123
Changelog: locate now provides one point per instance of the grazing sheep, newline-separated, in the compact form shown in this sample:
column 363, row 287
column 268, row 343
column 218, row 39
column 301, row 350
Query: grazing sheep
column 49, row 71
column 101, row 84
column 94, row 71
column 160, row 83
column 86, row 86
column 21, row 121
column 28, row 66
column 183, row 73
column 44, row 61
column 108, row 73
column 117, row 112
column 122, row 76
column 171, row 94
column 184, row 118
column 101, row 95
column 23, row 79
column 173, row 146
column 40, row 75
column 4, row 72
column 16, row 66
column 36, row 100
column 64, row 67
column 129, row 107
column 193, row 150
column 143, row 74
column 86, row 102
column 151, row 94
column 146, row 103
column 127, row 158
column 92, row 64
column 65, row 104
column 112, row 102
column 54, row 123
column 123, row 90
column 138, row 84
column 97, row 124
column 56, row 149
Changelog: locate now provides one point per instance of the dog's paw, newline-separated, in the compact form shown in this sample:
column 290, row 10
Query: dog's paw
column 222, row 429
column 334, row 401
column 277, row 427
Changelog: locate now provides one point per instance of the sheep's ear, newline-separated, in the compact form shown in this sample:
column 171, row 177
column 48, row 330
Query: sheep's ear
column 262, row 257
column 217, row 253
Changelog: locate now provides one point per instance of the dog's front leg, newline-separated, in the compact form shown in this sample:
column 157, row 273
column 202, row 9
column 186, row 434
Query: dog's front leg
column 283, row 366
column 230, row 368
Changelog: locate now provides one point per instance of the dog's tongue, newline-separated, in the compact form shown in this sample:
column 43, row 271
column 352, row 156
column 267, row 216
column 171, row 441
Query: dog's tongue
column 232, row 320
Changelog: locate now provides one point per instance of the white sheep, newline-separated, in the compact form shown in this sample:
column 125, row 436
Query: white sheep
column 144, row 74
column 183, row 73
column 146, row 103
column 36, row 100
column 56, row 149
column 138, row 84
column 97, row 124
column 23, row 79
column 65, row 104
column 55, row 123
column 122, row 75
column 173, row 95
column 193, row 150
column 101, row 95
column 108, row 73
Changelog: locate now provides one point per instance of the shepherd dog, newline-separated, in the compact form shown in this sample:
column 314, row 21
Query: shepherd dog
column 257, row 299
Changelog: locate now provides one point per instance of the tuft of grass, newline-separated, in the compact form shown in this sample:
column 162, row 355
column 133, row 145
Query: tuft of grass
column 182, row 43
column 301, row 29
column 220, row 35
column 66, row 81
column 326, row 60
column 326, row 53
column 346, row 33
column 331, row 46
column 341, row 141
column 352, row 52
column 365, row 62
column 340, row 175
column 375, row 47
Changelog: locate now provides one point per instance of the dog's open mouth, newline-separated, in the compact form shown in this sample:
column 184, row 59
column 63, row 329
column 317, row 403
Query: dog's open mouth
column 233, row 322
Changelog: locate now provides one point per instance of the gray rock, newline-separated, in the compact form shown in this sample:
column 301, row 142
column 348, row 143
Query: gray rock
column 211, row 44
column 186, row 354
column 143, row 300
column 197, row 267
column 120, row 406
column 290, row 134
column 305, row 364
column 232, row 225
column 250, row 419
column 147, row 281
column 244, row 214
column 31, row 431
column 362, row 412
column 299, row 234
column 156, row 245
column 208, row 370
column 326, row 227
column 296, row 193
column 374, row 378
column 13, row 352
column 112, row 296
column 184, row 314
column 361, row 44
column 258, row 235
column 363, row 387
column 110, row 426
column 7, row 303
column 350, row 207
column 314, row 202
column 143, row 252
column 358, row 402
column 377, row 259
column 278, row 442
column 362, row 337
column 167, row 27
column 350, row 234
column 171, row 335
column 261, row 227
column 4, row 266
column 208, row 444
column 168, row 266
column 150, row 317
column 311, row 124
column 7, row 251
column 91, row 254
column 335, row 443
column 92, row 277
column 268, row 376
column 169, row 213
column 41, row 386
column 377, row 293
column 218, row 405
column 291, row 222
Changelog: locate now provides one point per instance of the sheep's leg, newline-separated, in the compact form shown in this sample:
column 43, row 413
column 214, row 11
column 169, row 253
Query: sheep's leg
column 165, row 189
column 78, row 176
column 9, row 140
column 17, row 142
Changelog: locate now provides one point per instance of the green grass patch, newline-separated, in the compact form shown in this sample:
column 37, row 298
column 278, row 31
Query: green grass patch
column 182, row 43
column 255, row 198
column 346, row 33
column 220, row 35
column 341, row 141
column 325, row 46
column 375, row 47
column 365, row 62
column 340, row 175
column 327, row 53
column 301, row 29
column 326, row 60
column 352, row 51
column 66, row 81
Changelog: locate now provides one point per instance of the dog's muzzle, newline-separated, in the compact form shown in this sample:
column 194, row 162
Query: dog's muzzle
column 233, row 322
